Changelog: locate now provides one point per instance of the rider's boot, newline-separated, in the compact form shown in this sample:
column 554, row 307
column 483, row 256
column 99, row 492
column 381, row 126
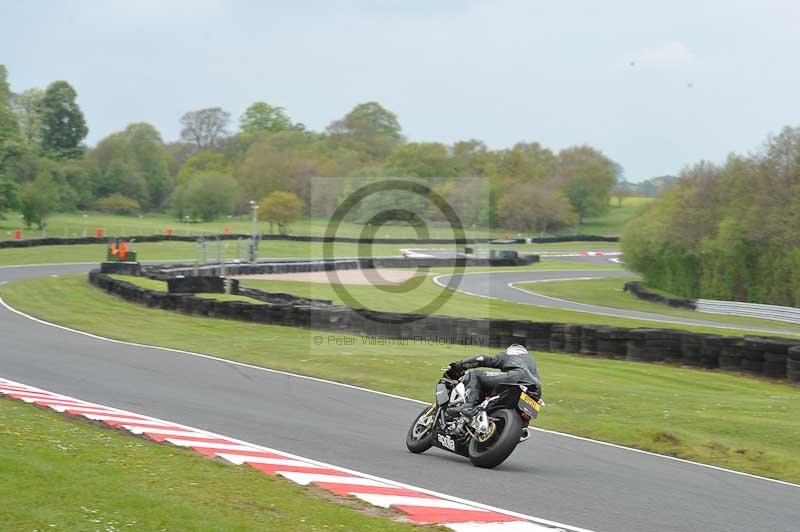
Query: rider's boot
column 469, row 408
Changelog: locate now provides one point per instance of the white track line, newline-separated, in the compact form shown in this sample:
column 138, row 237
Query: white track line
column 393, row 396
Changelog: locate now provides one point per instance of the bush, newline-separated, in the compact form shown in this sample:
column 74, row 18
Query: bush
column 205, row 196
column 281, row 208
column 118, row 204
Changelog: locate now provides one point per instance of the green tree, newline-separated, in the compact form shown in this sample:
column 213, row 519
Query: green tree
column 421, row 159
column 262, row 117
column 471, row 198
column 177, row 155
column 206, row 196
column 281, row 208
column 202, row 161
column 8, row 195
column 134, row 163
column 63, row 124
column 472, row 158
column 527, row 162
column 587, row 177
column 11, row 145
column 147, row 153
column 38, row 200
column 8, row 121
column 28, row 107
column 289, row 161
column 369, row 129
column 539, row 208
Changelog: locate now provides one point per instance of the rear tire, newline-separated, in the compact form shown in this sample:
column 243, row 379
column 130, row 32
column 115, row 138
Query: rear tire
column 493, row 452
column 420, row 442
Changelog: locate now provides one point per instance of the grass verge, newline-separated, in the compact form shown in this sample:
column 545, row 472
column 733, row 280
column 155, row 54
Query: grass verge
column 712, row 417
column 58, row 473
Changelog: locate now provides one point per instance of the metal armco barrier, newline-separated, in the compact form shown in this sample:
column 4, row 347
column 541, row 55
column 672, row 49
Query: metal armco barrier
column 711, row 306
column 750, row 310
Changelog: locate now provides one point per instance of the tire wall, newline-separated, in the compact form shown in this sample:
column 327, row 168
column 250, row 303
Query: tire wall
column 775, row 358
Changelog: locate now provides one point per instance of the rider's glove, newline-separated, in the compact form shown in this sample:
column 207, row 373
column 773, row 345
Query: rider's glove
column 455, row 370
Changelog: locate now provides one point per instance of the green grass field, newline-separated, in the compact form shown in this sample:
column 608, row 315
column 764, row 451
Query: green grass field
column 58, row 473
column 713, row 417
column 614, row 220
column 609, row 293
column 73, row 225
column 76, row 224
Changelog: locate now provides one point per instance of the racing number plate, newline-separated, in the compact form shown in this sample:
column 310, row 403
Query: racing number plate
column 528, row 405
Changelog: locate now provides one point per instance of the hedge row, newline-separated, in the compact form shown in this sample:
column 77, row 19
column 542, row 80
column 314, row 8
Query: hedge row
column 767, row 357
column 230, row 236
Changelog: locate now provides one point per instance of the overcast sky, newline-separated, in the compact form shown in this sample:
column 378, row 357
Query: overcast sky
column 653, row 85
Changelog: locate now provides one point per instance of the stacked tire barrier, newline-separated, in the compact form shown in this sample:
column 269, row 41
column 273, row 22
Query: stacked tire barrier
column 266, row 268
column 793, row 364
column 776, row 358
column 636, row 288
column 195, row 285
column 612, row 342
column 231, row 236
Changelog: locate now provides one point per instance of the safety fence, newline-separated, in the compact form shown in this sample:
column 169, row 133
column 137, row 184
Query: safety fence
column 711, row 306
column 775, row 358
column 750, row 310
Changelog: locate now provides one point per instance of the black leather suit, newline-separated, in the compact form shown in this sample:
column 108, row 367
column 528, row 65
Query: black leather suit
column 513, row 369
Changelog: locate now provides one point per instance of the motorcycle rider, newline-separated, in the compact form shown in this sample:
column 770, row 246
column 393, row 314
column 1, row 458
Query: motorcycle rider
column 516, row 365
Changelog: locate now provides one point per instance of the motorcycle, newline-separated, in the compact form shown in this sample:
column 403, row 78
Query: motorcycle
column 489, row 436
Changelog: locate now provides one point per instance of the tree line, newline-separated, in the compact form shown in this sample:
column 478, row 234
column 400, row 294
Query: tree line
column 211, row 170
column 726, row 231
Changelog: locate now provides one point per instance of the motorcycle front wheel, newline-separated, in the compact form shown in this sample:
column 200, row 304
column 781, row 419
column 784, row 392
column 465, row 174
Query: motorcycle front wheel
column 505, row 430
column 420, row 436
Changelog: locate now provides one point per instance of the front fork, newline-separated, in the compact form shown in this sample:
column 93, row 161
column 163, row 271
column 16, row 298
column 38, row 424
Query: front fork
column 429, row 417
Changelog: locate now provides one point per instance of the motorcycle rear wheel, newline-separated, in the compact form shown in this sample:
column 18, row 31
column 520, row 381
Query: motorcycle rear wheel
column 507, row 432
column 419, row 442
